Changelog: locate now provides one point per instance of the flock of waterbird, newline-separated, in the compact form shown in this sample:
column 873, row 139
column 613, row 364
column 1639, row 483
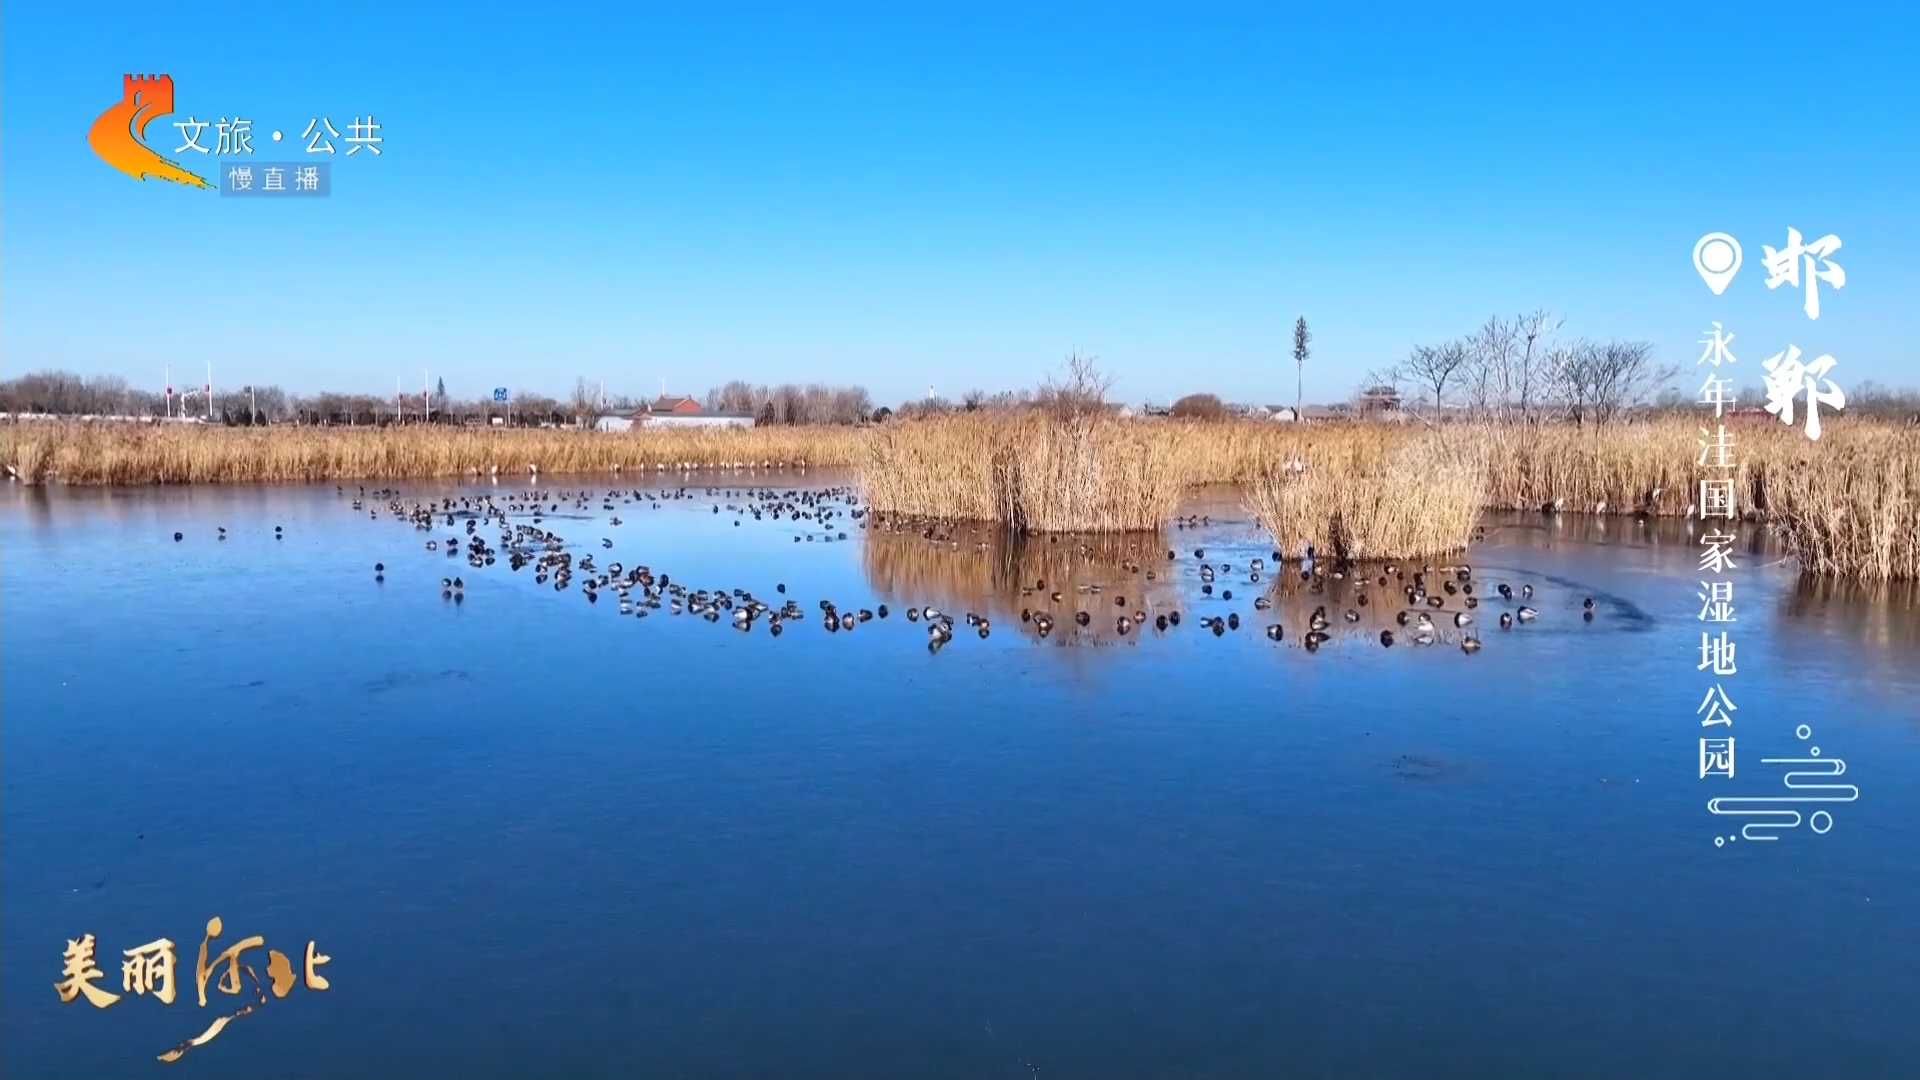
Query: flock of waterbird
column 1430, row 604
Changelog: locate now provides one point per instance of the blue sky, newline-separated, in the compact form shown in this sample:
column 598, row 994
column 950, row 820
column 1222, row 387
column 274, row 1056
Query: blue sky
column 954, row 198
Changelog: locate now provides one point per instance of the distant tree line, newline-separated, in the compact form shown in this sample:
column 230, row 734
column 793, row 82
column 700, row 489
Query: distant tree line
column 793, row 403
column 64, row 393
column 1080, row 388
column 1519, row 369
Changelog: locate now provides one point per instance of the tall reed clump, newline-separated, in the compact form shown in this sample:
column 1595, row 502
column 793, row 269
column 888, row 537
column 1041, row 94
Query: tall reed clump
column 1089, row 473
column 1031, row 471
column 1421, row 499
column 97, row 453
column 950, row 469
column 1849, row 506
column 27, row 461
column 1643, row 466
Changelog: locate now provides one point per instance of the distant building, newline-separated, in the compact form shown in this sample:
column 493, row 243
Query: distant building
column 1285, row 414
column 703, row 418
column 1376, row 400
column 671, row 410
column 1323, row 413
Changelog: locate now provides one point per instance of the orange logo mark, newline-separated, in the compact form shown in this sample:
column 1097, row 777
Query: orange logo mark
column 119, row 135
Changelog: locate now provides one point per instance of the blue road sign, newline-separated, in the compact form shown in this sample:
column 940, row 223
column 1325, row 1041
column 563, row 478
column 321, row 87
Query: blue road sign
column 499, row 393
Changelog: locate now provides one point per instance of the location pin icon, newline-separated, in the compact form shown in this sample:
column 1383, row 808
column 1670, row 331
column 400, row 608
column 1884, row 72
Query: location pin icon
column 1717, row 257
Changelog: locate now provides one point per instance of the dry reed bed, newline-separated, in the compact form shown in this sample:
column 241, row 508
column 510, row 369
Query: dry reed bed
column 1850, row 507
column 1619, row 468
column 1029, row 471
column 76, row 453
column 1423, row 500
column 1846, row 506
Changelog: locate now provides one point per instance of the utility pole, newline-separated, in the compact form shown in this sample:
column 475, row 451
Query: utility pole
column 209, row 390
column 168, row 376
column 396, row 399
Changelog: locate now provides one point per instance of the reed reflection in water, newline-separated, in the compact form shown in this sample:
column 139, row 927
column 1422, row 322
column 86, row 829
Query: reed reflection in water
column 1100, row 590
column 989, row 571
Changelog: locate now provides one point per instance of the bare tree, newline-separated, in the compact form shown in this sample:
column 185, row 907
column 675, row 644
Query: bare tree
column 272, row 403
column 1598, row 381
column 1869, row 398
column 1492, row 356
column 851, row 405
column 1435, row 366
column 586, row 399
column 814, row 403
column 817, row 404
column 789, row 404
column 736, row 396
column 1080, row 390
column 1536, row 328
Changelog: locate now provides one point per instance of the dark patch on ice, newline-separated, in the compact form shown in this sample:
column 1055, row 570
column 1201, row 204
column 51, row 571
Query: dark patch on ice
column 399, row 680
column 1616, row 611
column 1424, row 767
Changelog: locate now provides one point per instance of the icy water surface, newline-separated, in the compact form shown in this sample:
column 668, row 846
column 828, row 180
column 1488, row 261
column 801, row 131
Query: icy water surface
column 539, row 836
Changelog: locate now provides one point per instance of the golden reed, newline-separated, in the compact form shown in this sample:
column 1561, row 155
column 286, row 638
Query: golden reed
column 1847, row 506
column 1028, row 470
column 93, row 453
column 1850, row 507
column 1422, row 500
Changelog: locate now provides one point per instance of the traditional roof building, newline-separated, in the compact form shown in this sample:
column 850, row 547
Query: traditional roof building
column 1379, row 399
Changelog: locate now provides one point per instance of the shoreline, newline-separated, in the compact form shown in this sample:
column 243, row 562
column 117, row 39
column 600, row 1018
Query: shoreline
column 1359, row 489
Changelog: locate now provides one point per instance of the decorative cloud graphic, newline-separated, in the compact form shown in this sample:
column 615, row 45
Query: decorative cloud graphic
column 119, row 135
column 1771, row 815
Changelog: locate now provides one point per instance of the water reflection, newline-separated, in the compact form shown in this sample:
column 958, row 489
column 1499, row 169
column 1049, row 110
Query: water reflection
column 1141, row 586
column 1582, row 574
column 1881, row 616
column 1004, row 576
column 1545, row 531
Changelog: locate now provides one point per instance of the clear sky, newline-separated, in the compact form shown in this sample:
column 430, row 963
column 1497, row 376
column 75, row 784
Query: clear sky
column 953, row 199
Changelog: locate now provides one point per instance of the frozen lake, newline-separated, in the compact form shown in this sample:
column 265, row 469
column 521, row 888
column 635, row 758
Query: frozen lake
column 539, row 836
